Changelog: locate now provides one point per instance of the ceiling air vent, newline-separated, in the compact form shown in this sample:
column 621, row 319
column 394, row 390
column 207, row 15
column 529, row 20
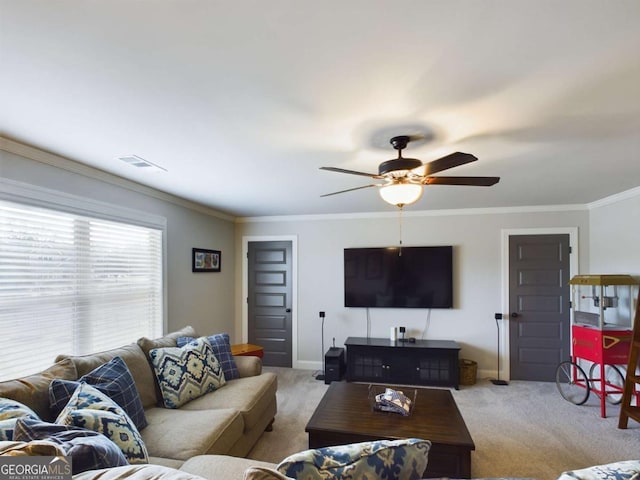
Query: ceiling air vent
column 139, row 162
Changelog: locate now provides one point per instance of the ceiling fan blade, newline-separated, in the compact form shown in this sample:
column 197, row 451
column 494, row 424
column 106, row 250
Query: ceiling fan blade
column 471, row 181
column 452, row 160
column 352, row 172
column 350, row 190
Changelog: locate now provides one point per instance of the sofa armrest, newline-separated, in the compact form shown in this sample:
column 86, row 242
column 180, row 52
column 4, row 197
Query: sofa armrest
column 248, row 366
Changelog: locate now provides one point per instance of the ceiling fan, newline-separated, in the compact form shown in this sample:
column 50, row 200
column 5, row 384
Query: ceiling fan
column 404, row 178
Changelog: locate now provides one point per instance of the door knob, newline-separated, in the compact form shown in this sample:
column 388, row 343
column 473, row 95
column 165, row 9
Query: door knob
column 288, row 310
column 514, row 315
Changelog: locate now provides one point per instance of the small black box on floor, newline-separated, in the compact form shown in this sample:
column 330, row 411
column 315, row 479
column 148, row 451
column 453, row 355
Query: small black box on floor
column 334, row 365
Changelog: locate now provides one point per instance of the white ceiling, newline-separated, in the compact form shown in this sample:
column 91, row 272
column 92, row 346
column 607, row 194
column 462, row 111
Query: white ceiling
column 242, row 101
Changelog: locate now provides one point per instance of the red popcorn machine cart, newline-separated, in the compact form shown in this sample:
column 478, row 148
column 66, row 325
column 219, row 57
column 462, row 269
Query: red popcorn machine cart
column 601, row 330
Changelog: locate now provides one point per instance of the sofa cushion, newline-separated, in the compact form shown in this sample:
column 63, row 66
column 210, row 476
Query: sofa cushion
column 221, row 466
column 165, row 462
column 88, row 408
column 136, row 361
column 192, row 432
column 10, row 412
column 113, row 379
column 169, row 340
column 263, row 473
column 33, row 390
column 89, row 450
column 389, row 459
column 222, row 351
column 624, row 470
column 186, row 373
column 137, row 472
column 250, row 395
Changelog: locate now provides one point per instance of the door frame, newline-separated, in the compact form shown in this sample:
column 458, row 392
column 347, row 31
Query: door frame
column 505, row 367
column 294, row 287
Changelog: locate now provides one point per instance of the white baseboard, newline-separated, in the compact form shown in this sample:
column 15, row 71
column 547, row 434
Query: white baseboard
column 307, row 365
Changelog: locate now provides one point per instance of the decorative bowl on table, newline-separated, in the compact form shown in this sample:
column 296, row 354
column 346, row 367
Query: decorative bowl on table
column 389, row 400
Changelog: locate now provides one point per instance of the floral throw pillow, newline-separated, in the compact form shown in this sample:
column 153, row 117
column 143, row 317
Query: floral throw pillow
column 624, row 470
column 389, row 459
column 186, row 373
column 91, row 409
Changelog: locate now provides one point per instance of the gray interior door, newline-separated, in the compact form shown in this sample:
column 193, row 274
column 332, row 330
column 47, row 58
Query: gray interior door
column 539, row 303
column 269, row 302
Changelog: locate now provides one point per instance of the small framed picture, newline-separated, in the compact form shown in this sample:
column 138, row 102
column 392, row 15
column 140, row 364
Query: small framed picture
column 205, row 260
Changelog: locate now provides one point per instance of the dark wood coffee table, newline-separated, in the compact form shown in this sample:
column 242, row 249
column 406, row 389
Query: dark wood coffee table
column 344, row 415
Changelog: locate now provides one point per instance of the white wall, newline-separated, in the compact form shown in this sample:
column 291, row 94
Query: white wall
column 615, row 235
column 476, row 237
column 203, row 300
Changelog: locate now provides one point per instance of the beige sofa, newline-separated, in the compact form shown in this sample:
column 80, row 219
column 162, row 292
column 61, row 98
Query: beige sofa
column 227, row 421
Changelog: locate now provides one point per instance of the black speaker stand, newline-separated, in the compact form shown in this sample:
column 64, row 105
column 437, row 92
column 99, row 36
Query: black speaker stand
column 320, row 376
column 497, row 381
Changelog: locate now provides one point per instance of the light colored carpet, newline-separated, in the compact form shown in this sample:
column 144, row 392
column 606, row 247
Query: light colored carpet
column 525, row 429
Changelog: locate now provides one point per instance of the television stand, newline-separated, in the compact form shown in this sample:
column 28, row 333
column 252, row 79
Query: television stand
column 423, row 362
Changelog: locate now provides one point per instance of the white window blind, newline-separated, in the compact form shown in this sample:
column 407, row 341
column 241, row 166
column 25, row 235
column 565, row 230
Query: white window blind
column 73, row 284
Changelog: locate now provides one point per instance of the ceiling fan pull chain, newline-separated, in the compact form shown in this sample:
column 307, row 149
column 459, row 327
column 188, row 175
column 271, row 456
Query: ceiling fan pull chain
column 400, row 221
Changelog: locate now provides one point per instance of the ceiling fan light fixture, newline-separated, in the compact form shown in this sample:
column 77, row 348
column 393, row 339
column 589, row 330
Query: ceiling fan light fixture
column 405, row 178
column 401, row 194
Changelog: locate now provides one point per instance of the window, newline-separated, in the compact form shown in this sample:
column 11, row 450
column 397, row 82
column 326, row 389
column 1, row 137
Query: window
column 74, row 284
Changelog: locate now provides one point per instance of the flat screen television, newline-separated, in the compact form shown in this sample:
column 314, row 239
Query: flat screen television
column 413, row 277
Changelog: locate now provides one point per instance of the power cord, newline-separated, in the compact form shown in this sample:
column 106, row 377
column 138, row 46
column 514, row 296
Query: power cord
column 427, row 324
column 368, row 324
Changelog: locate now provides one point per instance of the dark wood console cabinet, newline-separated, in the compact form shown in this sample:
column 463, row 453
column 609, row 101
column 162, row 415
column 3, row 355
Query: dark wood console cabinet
column 425, row 362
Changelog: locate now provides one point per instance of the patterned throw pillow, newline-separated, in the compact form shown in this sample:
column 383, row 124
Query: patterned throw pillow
column 186, row 373
column 625, row 470
column 10, row 412
column 90, row 409
column 113, row 379
column 388, row 459
column 222, row 350
column 89, row 450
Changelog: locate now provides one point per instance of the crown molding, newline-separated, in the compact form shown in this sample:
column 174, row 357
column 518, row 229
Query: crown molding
column 419, row 213
column 612, row 199
column 58, row 161
column 618, row 197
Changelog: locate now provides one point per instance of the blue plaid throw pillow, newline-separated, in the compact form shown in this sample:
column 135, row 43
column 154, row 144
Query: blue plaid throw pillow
column 89, row 450
column 113, row 379
column 221, row 350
